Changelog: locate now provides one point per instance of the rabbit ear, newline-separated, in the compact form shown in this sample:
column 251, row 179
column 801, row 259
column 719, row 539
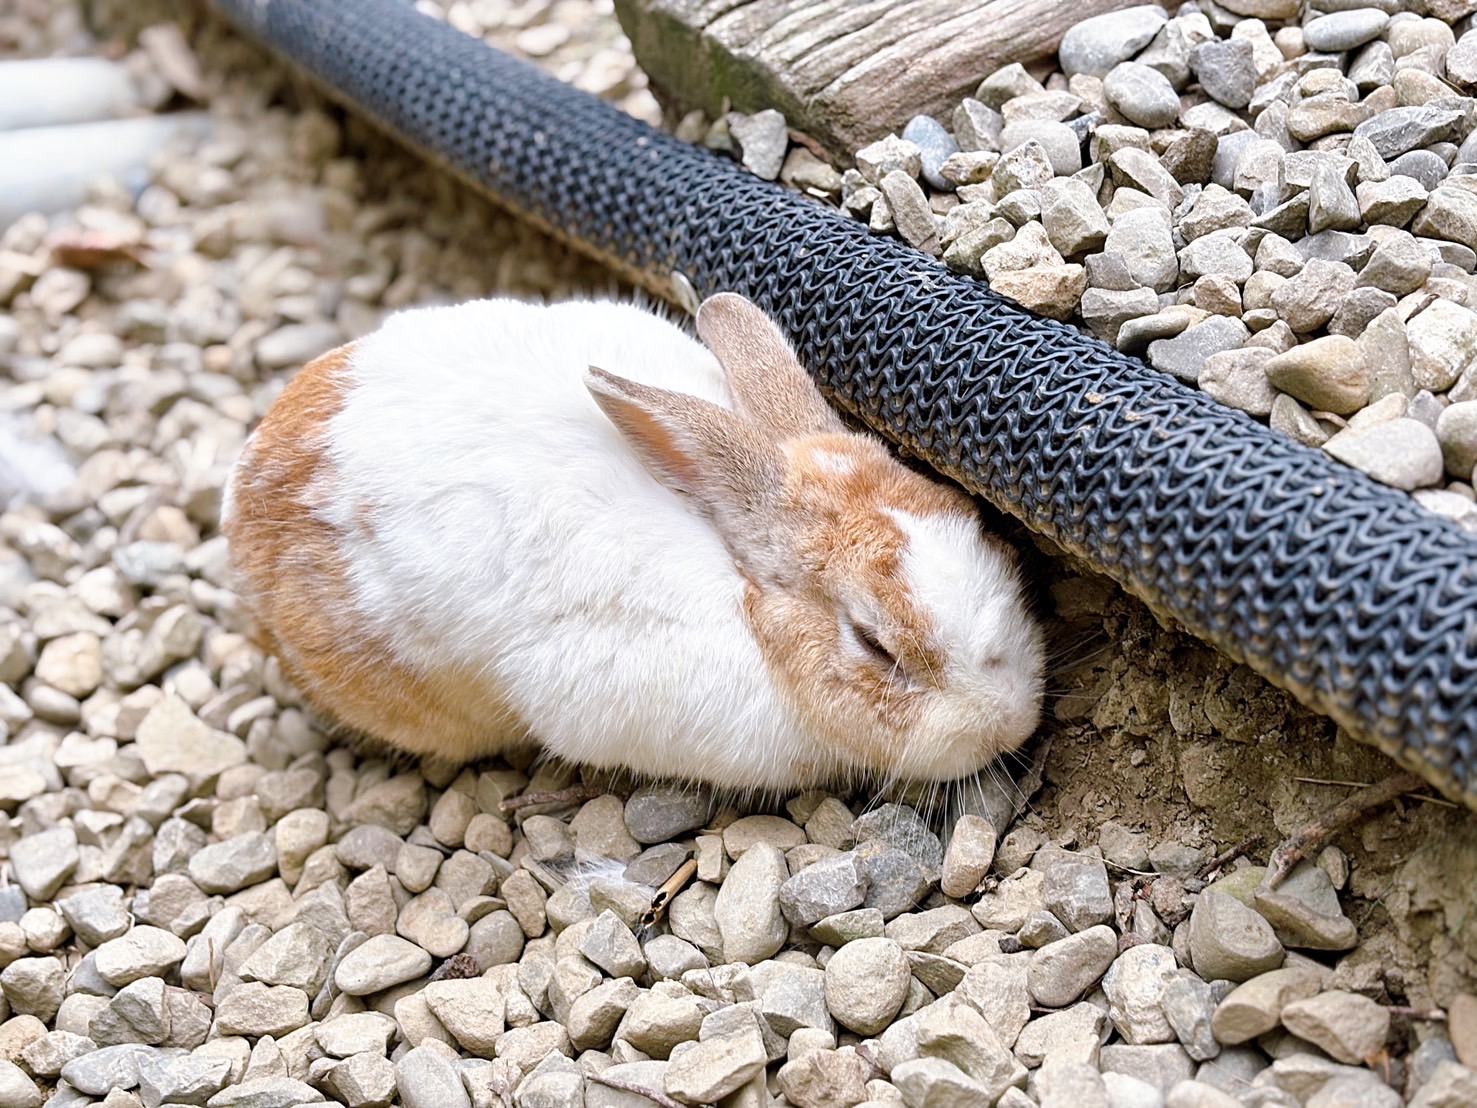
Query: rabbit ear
column 702, row 451
column 769, row 384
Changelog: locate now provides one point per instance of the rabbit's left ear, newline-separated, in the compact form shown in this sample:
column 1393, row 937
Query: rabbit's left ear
column 770, row 385
column 702, row 451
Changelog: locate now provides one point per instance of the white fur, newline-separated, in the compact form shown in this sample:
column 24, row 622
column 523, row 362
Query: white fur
column 515, row 533
column 993, row 659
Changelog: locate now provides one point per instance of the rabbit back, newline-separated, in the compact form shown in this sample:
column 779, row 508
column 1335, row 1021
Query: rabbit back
column 477, row 557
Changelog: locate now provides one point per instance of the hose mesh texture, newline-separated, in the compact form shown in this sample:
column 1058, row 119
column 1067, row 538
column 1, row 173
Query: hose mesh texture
column 1342, row 591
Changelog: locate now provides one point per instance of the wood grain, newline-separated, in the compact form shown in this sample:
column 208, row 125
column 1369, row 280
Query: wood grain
column 846, row 72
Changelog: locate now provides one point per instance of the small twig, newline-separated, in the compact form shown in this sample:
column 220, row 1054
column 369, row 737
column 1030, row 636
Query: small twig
column 571, row 795
column 1227, row 855
column 631, row 1087
column 669, row 888
column 1427, row 798
column 1320, row 830
column 1425, row 1015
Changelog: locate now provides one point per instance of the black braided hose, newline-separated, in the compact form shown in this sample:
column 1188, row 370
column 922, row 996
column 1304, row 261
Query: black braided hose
column 1343, row 591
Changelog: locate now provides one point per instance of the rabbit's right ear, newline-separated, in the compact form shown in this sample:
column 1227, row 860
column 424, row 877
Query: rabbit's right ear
column 705, row 452
column 770, row 385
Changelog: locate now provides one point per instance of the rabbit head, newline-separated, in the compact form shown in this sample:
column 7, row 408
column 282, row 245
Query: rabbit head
column 894, row 625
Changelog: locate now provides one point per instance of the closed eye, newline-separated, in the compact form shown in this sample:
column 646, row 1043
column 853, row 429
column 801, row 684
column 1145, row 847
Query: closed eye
column 873, row 646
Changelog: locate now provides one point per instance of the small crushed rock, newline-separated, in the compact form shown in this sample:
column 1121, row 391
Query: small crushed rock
column 214, row 905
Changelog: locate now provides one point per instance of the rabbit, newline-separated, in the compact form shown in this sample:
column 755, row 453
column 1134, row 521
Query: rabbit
column 574, row 524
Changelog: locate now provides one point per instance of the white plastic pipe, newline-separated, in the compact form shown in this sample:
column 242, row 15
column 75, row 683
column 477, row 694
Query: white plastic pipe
column 46, row 92
column 49, row 169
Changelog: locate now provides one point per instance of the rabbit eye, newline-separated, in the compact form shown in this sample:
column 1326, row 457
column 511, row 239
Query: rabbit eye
column 870, row 643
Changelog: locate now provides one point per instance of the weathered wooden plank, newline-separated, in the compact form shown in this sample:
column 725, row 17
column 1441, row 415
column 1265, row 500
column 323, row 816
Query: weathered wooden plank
column 844, row 71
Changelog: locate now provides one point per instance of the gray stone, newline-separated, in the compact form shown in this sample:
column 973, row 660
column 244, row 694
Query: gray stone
column 1352, row 1028
column 1393, row 201
column 823, row 888
column 1075, row 889
column 1226, row 70
column 1135, row 986
column 1331, row 203
column 1456, row 430
column 1061, row 143
column 1399, row 265
column 1255, row 1006
column 977, row 126
column 1185, row 354
column 1162, row 1066
column 971, row 850
column 791, row 997
column 747, row 909
column 107, row 1068
column 1230, row 941
column 1238, row 379
column 1095, row 45
column 1138, row 169
column 1328, row 374
column 1142, row 239
column 901, row 827
column 1071, row 216
column 295, row 344
column 1344, row 30
column 1142, row 95
column 1443, row 342
column 866, row 983
column 1082, row 1023
column 425, row 1078
column 928, row 1081
column 1027, row 166
column 1450, row 213
column 661, row 813
column 379, row 963
column 911, row 214
column 1062, row 971
column 1190, row 158
column 1425, row 167
column 611, row 946
column 190, row 1079
column 1189, row 1007
column 1396, row 130
column 254, row 1009
column 1217, row 254
column 16, row 1089
column 1308, row 300
column 143, row 952
column 230, row 866
column 935, row 147
column 1105, row 311
column 762, row 139
column 41, row 862
column 97, row 915
column 706, row 1072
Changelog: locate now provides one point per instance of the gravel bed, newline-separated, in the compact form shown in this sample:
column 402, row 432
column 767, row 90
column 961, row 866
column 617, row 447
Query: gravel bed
column 207, row 902
column 1275, row 201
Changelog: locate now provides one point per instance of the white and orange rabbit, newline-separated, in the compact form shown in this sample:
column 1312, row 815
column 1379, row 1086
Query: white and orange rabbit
column 501, row 521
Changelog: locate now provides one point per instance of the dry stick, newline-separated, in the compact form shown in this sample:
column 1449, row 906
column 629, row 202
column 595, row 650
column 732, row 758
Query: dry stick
column 571, row 795
column 1227, row 855
column 1319, row 831
column 669, row 888
column 1426, row 1015
column 1424, row 798
column 631, row 1087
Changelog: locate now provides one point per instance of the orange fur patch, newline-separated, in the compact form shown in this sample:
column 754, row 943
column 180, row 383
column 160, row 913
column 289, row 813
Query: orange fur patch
column 296, row 582
column 843, row 485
